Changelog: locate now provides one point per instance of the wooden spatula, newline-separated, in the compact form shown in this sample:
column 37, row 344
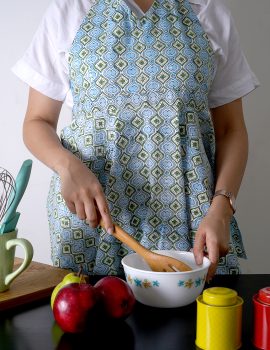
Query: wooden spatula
column 157, row 262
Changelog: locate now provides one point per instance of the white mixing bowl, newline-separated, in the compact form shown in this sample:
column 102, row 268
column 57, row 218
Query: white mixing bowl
column 165, row 289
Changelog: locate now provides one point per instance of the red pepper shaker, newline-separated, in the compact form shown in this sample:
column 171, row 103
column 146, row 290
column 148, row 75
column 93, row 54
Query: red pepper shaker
column 261, row 320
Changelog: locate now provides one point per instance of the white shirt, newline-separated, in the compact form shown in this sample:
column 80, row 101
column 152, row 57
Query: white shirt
column 44, row 65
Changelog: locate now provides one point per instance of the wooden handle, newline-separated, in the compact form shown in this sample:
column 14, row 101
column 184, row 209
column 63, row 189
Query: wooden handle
column 124, row 237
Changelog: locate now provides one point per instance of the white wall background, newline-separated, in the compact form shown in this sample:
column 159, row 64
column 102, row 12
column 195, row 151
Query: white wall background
column 18, row 22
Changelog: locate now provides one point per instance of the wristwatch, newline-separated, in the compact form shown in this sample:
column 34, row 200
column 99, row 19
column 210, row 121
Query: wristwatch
column 229, row 195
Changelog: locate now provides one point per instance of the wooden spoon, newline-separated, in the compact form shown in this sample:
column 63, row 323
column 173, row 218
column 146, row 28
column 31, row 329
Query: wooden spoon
column 157, row 262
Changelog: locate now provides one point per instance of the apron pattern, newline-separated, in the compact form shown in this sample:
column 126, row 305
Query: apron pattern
column 141, row 123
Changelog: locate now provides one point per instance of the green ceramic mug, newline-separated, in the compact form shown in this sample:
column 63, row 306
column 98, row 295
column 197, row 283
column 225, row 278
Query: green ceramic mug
column 8, row 243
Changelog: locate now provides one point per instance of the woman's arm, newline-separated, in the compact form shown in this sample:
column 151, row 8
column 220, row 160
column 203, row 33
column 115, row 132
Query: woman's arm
column 231, row 158
column 80, row 187
column 231, row 146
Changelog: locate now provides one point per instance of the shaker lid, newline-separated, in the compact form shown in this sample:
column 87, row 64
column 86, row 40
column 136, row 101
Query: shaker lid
column 264, row 295
column 220, row 296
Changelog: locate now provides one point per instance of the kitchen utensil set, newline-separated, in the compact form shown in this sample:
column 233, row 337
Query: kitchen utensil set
column 11, row 216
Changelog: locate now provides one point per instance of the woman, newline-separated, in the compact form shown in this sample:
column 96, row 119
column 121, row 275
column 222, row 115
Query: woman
column 157, row 142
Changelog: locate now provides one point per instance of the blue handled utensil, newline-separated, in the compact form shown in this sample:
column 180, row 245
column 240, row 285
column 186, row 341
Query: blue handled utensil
column 11, row 217
column 11, row 224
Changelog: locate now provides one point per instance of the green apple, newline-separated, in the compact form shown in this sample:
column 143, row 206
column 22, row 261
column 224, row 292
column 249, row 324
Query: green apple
column 71, row 277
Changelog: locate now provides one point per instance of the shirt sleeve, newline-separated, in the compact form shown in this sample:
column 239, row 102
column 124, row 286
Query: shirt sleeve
column 43, row 64
column 233, row 77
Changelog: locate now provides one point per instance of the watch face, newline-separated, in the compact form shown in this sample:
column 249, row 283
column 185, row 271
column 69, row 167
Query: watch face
column 232, row 200
column 233, row 204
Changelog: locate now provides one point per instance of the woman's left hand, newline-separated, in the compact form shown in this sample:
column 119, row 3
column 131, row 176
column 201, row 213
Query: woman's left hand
column 212, row 240
column 213, row 235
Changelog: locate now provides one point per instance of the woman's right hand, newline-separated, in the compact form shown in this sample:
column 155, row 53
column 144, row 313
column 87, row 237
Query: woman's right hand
column 84, row 195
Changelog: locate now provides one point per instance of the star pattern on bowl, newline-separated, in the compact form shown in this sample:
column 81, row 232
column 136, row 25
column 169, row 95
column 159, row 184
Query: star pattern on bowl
column 146, row 283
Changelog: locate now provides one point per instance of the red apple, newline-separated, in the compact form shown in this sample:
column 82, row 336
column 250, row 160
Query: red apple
column 116, row 297
column 69, row 278
column 74, row 305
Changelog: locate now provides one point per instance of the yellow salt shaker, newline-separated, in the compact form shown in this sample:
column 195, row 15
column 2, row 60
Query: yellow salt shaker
column 219, row 319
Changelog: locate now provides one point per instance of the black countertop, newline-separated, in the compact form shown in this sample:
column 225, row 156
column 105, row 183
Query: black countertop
column 34, row 328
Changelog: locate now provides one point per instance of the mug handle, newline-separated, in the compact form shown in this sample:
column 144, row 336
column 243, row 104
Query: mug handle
column 28, row 249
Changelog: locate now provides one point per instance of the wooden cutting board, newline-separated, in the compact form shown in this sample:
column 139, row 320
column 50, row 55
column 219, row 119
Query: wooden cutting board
column 33, row 284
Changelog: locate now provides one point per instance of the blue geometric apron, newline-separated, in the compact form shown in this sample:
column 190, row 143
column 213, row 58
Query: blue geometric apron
column 142, row 124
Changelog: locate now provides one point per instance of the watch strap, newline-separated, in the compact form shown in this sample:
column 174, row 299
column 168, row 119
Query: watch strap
column 229, row 195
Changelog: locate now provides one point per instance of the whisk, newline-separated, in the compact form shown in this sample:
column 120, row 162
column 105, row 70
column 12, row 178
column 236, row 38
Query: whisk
column 7, row 191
